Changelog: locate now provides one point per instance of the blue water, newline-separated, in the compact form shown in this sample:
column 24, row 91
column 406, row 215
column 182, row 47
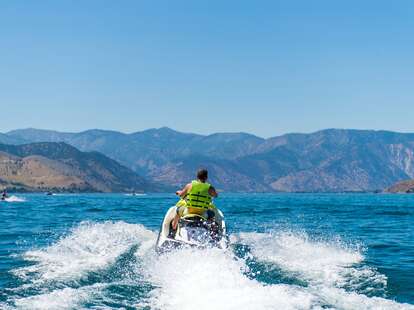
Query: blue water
column 288, row 251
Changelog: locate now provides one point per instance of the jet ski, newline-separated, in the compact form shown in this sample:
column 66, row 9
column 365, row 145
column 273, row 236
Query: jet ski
column 192, row 231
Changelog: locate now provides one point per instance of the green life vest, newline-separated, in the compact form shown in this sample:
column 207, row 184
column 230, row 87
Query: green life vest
column 199, row 197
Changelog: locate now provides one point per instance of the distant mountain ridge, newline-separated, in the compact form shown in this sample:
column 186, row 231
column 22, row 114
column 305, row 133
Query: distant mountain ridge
column 60, row 167
column 324, row 161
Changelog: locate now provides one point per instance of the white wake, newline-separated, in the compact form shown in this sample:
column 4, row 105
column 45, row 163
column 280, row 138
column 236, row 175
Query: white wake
column 195, row 279
column 15, row 199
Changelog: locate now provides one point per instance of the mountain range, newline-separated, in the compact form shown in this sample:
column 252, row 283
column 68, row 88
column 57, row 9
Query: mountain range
column 331, row 160
column 46, row 166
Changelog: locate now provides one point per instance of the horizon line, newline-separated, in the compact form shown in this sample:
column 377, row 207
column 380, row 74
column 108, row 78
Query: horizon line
column 201, row 134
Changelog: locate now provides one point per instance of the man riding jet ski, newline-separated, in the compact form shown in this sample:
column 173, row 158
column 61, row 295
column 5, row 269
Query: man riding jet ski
column 194, row 221
column 4, row 195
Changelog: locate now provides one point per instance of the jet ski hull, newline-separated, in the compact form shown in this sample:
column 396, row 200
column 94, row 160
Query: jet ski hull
column 191, row 233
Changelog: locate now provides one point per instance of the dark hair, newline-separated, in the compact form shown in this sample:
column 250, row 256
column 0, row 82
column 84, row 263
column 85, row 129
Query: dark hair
column 202, row 174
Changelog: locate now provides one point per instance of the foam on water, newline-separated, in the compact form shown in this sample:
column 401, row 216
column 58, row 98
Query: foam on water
column 191, row 278
column 67, row 298
column 213, row 279
column 89, row 247
column 328, row 267
column 341, row 299
column 317, row 261
column 15, row 199
column 57, row 269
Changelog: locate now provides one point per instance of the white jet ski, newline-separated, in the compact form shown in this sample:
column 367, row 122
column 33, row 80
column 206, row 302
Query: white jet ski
column 192, row 231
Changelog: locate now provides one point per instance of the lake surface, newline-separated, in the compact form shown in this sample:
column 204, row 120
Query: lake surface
column 288, row 251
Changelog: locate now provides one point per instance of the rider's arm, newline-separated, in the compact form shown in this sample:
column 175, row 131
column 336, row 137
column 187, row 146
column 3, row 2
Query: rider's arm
column 184, row 191
column 212, row 192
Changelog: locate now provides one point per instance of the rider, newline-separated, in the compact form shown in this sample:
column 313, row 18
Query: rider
column 196, row 197
column 4, row 195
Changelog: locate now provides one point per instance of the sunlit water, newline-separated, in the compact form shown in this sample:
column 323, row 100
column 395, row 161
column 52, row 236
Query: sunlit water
column 288, row 251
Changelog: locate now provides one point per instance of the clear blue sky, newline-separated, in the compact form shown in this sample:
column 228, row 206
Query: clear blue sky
column 265, row 67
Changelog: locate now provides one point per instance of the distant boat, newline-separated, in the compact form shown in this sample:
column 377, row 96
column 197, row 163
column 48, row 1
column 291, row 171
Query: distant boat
column 49, row 194
column 135, row 194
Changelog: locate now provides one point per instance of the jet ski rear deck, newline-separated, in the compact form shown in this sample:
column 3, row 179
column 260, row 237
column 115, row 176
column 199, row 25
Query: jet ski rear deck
column 192, row 231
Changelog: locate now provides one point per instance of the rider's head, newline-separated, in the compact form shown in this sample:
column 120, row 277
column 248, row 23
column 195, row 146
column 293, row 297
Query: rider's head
column 202, row 175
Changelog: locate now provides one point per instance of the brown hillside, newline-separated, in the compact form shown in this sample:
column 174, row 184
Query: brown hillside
column 61, row 167
column 402, row 187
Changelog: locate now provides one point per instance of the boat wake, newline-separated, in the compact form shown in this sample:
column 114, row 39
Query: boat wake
column 14, row 199
column 114, row 265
